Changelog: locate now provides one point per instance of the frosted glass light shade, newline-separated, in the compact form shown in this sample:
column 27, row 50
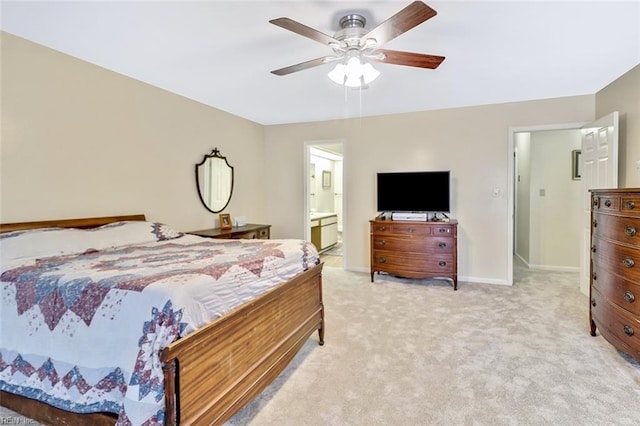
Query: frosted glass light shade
column 354, row 74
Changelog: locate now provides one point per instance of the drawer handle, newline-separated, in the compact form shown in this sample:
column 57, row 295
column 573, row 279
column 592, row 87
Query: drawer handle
column 596, row 201
column 628, row 330
column 593, row 302
column 382, row 259
column 411, row 230
column 595, row 223
column 595, row 277
column 593, row 248
column 442, row 263
column 630, row 231
column 382, row 228
column 442, row 245
column 629, row 297
column 382, row 242
column 607, row 203
column 631, row 205
column 628, row 262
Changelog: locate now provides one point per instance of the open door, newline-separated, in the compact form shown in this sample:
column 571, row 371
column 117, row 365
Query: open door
column 599, row 169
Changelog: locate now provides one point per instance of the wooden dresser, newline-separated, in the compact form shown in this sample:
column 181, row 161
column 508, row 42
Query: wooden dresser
column 415, row 249
column 615, row 268
column 248, row 232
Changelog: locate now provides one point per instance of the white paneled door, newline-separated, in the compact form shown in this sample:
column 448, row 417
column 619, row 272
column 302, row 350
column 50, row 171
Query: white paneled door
column 598, row 169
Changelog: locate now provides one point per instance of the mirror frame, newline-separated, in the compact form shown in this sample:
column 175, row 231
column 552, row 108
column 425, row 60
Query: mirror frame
column 214, row 154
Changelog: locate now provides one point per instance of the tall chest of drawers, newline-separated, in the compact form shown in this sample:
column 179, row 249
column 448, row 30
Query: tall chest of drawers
column 615, row 268
column 415, row 249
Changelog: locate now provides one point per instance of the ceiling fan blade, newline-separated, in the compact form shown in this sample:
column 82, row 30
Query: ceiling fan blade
column 411, row 16
column 409, row 59
column 302, row 66
column 303, row 30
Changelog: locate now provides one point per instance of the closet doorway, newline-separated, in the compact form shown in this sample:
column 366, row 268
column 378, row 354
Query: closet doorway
column 324, row 199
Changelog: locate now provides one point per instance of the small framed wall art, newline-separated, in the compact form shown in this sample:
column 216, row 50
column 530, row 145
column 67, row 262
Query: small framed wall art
column 326, row 179
column 225, row 221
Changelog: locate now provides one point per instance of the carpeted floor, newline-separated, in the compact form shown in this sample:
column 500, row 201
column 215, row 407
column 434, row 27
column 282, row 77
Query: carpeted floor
column 407, row 352
column 418, row 353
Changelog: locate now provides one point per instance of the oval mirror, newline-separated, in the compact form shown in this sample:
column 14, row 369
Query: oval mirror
column 214, row 178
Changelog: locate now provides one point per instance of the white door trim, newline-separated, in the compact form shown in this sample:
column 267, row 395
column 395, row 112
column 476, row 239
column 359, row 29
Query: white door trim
column 511, row 181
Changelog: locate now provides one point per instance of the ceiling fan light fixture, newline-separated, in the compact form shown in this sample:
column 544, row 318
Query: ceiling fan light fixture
column 337, row 75
column 353, row 40
column 369, row 73
column 354, row 74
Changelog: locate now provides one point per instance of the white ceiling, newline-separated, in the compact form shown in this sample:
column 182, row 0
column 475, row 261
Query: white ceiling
column 221, row 52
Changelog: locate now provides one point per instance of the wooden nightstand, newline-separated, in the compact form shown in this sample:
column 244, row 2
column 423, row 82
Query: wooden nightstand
column 249, row 231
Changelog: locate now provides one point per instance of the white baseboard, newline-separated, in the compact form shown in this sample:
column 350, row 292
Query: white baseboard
column 554, row 268
column 549, row 267
column 476, row 280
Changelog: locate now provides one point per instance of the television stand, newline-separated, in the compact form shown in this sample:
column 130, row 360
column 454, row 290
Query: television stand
column 412, row 249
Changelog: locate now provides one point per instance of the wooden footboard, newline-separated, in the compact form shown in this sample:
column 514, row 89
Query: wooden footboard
column 221, row 367
column 213, row 372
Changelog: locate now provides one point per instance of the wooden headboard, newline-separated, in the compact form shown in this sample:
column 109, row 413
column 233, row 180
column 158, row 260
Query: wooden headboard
column 83, row 223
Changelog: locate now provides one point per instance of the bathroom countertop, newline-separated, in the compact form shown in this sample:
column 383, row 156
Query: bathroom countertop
column 319, row 215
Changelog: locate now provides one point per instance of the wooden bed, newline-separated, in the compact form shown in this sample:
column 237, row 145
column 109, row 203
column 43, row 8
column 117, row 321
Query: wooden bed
column 213, row 372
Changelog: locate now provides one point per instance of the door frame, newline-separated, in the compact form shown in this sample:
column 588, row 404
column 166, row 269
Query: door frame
column 511, row 184
column 307, row 208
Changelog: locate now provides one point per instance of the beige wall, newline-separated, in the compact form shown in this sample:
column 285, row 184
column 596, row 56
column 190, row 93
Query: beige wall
column 78, row 141
column 555, row 227
column 471, row 142
column 623, row 95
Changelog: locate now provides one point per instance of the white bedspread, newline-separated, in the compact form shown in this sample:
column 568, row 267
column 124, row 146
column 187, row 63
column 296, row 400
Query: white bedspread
column 83, row 331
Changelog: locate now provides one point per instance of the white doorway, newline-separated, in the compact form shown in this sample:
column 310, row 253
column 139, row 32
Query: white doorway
column 541, row 198
column 324, row 199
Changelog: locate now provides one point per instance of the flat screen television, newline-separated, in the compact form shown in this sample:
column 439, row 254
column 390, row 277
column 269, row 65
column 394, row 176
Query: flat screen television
column 426, row 191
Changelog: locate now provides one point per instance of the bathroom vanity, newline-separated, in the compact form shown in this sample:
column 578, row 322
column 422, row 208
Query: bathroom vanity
column 324, row 230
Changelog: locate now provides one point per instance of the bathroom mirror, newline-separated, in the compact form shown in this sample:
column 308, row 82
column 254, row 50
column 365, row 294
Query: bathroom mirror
column 214, row 179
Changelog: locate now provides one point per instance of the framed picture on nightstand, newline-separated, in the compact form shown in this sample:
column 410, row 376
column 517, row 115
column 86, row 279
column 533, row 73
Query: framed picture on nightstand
column 225, row 221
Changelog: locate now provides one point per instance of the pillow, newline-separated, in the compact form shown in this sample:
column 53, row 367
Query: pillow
column 129, row 232
column 38, row 243
column 47, row 242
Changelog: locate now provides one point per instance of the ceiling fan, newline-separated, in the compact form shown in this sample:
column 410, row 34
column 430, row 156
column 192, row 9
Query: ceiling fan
column 354, row 46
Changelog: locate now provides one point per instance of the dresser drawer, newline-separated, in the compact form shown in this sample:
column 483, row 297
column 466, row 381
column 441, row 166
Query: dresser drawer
column 619, row 291
column 395, row 228
column 630, row 204
column 384, row 259
column 623, row 229
column 624, row 326
column 621, row 260
column 251, row 235
column 255, row 234
column 416, row 245
column 605, row 202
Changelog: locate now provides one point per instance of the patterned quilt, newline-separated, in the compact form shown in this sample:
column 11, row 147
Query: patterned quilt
column 83, row 331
